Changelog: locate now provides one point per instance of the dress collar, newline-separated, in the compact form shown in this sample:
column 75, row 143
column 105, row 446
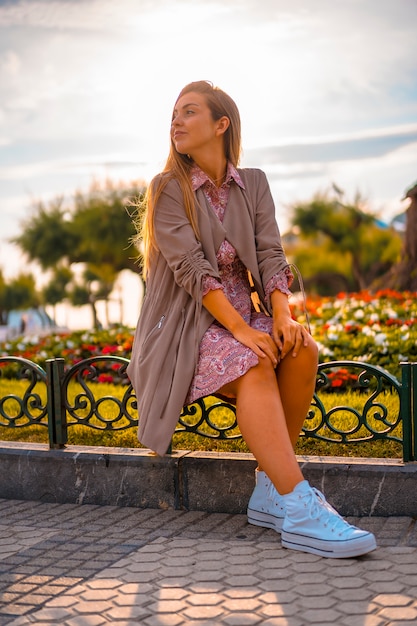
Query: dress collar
column 199, row 178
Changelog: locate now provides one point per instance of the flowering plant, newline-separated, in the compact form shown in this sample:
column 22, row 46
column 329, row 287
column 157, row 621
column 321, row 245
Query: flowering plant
column 74, row 347
column 378, row 328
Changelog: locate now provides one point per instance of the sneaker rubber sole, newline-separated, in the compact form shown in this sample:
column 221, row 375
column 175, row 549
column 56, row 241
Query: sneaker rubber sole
column 267, row 520
column 330, row 549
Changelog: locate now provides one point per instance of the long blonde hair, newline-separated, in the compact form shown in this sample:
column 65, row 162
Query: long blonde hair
column 178, row 166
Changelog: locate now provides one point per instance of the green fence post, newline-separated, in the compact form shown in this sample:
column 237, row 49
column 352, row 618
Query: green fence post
column 406, row 411
column 57, row 416
column 413, row 406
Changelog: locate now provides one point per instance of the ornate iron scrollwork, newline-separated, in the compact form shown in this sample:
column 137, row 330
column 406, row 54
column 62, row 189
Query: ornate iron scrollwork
column 372, row 420
column 211, row 418
column 20, row 410
column 375, row 410
column 107, row 412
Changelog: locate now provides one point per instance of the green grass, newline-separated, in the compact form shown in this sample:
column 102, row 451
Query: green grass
column 86, row 436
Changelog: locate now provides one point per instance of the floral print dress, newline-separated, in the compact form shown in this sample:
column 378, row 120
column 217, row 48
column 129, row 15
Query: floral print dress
column 222, row 358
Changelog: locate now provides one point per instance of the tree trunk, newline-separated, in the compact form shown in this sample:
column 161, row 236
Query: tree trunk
column 403, row 275
column 357, row 273
column 410, row 241
column 96, row 321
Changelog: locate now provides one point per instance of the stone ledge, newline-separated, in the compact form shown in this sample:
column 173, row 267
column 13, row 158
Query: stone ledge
column 200, row 481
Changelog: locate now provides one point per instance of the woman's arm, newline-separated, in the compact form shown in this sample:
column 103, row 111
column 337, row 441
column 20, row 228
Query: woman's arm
column 224, row 312
column 289, row 335
column 177, row 243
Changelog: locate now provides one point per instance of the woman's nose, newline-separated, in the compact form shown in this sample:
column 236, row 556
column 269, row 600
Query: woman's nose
column 176, row 120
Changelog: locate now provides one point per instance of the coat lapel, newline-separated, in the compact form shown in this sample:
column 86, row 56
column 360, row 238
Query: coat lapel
column 239, row 223
column 212, row 231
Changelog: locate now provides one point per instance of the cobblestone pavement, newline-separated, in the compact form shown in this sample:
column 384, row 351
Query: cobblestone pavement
column 86, row 565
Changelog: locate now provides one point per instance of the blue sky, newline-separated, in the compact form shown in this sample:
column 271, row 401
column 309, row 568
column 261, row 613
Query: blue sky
column 327, row 91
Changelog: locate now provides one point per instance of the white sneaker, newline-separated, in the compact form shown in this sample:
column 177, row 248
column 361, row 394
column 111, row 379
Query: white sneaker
column 266, row 507
column 312, row 525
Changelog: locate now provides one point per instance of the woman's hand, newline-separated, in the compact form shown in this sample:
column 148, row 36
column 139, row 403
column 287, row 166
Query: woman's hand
column 261, row 343
column 289, row 335
column 222, row 310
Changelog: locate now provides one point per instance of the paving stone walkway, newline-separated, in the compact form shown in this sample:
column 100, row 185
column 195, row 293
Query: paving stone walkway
column 86, row 565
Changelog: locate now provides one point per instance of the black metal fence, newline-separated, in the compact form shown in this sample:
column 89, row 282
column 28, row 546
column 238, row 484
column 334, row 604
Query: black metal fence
column 60, row 397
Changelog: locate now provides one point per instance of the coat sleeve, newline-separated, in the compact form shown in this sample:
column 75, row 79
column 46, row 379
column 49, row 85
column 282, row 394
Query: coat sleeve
column 178, row 244
column 269, row 251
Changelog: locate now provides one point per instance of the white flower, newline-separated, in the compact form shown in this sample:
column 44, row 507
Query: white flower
column 390, row 313
column 324, row 350
column 70, row 345
column 380, row 339
column 368, row 331
column 359, row 314
column 376, row 328
column 374, row 317
column 333, row 331
column 405, row 337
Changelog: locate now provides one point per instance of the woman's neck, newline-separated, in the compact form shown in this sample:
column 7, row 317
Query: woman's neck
column 213, row 162
column 214, row 168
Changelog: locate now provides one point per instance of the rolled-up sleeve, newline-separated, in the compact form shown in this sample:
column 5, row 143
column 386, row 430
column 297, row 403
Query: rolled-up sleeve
column 210, row 284
column 177, row 243
column 281, row 281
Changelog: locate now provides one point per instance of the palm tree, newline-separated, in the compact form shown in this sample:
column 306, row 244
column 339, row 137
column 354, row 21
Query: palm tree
column 403, row 275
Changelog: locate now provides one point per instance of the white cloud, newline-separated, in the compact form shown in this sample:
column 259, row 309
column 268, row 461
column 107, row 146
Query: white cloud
column 87, row 86
column 10, row 63
column 370, row 143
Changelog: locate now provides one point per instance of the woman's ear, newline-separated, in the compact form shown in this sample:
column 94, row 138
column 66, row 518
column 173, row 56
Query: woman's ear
column 222, row 125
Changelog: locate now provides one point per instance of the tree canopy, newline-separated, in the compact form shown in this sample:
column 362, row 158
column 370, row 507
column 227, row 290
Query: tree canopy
column 95, row 229
column 340, row 245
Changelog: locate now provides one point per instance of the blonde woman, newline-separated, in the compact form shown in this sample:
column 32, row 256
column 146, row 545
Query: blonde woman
column 208, row 228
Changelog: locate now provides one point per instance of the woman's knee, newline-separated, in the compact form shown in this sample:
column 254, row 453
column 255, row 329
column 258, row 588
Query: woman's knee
column 305, row 362
column 263, row 373
column 311, row 350
column 264, row 370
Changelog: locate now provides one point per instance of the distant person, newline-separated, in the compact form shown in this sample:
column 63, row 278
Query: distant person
column 23, row 323
column 208, row 225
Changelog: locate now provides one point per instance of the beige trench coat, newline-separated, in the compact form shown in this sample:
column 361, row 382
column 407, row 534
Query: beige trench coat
column 172, row 320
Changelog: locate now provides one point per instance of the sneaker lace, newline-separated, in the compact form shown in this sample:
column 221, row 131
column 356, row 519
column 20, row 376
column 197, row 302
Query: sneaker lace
column 321, row 510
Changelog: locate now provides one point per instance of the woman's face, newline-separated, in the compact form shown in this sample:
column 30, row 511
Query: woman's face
column 193, row 129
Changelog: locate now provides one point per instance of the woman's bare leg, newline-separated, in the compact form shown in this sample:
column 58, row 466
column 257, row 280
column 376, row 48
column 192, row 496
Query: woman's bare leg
column 296, row 378
column 270, row 420
column 303, row 518
column 262, row 422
